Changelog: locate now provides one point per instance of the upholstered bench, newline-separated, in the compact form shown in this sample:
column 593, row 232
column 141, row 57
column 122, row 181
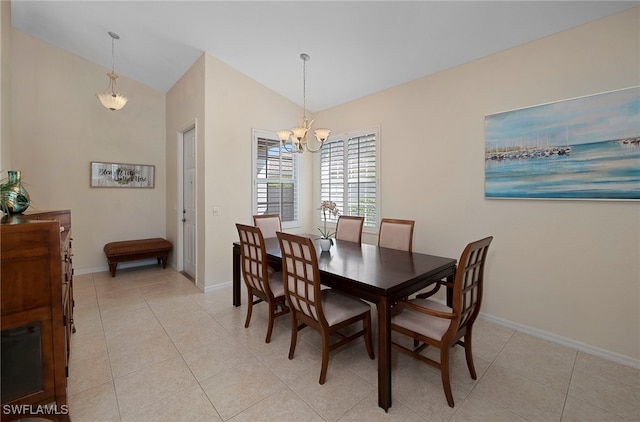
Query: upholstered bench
column 135, row 250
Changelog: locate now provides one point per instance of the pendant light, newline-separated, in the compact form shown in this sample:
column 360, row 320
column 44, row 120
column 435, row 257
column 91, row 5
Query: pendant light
column 111, row 98
column 297, row 137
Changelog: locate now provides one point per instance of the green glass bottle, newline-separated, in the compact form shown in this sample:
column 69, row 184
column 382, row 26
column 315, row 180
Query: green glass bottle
column 14, row 198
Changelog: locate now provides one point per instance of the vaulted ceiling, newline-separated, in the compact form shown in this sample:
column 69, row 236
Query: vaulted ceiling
column 356, row 47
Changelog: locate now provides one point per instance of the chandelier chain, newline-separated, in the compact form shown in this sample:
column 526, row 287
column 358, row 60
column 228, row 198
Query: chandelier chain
column 304, row 88
column 113, row 55
column 297, row 137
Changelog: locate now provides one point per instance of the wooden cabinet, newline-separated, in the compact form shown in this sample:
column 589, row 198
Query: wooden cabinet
column 36, row 314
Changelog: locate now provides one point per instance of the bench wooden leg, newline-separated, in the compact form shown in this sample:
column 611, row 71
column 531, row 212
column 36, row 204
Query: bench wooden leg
column 164, row 261
column 112, row 268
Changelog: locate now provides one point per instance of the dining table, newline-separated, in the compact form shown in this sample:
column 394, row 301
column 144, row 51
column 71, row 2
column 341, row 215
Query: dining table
column 379, row 275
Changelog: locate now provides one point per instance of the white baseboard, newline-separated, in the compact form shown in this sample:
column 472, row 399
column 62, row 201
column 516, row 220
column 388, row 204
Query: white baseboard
column 215, row 287
column 123, row 265
column 563, row 341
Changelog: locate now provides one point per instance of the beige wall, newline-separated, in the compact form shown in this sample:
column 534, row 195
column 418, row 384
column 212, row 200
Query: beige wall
column 5, row 86
column 59, row 127
column 186, row 109
column 227, row 106
column 235, row 105
column 567, row 270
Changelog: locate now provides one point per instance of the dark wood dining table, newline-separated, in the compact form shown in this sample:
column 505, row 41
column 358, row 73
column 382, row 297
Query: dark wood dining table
column 379, row 275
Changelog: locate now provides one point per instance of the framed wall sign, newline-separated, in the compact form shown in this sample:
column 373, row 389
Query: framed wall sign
column 120, row 175
column 581, row 148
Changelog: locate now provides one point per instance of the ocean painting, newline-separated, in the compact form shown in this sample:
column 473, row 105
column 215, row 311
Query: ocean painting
column 582, row 148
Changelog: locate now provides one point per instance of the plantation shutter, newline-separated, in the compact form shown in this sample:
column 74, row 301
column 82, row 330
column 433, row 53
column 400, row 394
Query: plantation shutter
column 361, row 178
column 348, row 176
column 332, row 175
column 276, row 184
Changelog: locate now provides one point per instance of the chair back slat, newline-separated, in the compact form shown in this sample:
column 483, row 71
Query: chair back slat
column 269, row 224
column 468, row 285
column 349, row 228
column 300, row 275
column 253, row 257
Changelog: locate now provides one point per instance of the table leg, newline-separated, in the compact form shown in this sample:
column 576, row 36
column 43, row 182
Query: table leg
column 384, row 354
column 450, row 280
column 236, row 276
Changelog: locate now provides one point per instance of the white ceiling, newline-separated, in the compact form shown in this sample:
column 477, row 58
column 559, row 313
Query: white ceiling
column 356, row 47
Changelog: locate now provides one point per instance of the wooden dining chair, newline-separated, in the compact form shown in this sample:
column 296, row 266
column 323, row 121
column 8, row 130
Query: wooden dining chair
column 431, row 323
column 268, row 223
column 396, row 234
column 262, row 283
column 324, row 310
column 349, row 228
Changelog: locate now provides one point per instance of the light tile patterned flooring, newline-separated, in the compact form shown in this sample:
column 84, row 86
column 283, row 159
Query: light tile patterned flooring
column 150, row 346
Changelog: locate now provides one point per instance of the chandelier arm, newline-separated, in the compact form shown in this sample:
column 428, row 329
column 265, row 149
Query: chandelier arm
column 315, row 150
column 284, row 147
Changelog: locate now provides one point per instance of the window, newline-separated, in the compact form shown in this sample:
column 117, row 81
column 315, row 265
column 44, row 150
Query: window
column 348, row 175
column 275, row 182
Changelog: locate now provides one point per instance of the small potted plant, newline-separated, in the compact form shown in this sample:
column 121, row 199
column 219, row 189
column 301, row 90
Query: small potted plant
column 326, row 238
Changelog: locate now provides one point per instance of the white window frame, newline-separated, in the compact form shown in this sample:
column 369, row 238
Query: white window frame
column 345, row 136
column 265, row 134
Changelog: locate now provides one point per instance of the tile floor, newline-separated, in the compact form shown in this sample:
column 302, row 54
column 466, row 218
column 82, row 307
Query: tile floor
column 150, row 346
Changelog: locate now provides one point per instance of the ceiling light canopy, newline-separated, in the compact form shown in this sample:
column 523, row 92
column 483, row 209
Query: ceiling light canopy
column 111, row 98
column 296, row 138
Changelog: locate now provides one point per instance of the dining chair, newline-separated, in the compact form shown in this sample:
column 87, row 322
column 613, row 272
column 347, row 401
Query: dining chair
column 268, row 223
column 265, row 285
column 324, row 310
column 433, row 324
column 396, row 234
column 349, row 228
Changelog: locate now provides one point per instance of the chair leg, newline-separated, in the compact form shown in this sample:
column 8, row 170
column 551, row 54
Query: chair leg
column 294, row 335
column 272, row 310
column 469, row 355
column 368, row 336
column 444, row 373
column 325, row 357
column 249, row 310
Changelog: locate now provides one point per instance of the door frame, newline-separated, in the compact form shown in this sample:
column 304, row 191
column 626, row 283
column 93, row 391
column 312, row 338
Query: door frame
column 180, row 196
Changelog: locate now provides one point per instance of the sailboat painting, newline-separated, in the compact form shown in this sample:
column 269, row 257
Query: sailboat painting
column 581, row 148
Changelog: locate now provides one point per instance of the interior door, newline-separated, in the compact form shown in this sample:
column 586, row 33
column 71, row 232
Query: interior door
column 189, row 203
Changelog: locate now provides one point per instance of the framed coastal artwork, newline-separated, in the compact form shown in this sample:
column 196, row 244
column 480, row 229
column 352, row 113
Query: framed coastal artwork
column 121, row 175
column 581, row 148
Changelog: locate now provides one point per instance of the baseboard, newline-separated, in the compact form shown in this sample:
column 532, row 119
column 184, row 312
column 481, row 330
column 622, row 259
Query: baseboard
column 121, row 265
column 563, row 341
column 215, row 287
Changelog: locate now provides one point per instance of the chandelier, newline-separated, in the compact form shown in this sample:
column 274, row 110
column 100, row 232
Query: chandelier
column 111, row 98
column 297, row 137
